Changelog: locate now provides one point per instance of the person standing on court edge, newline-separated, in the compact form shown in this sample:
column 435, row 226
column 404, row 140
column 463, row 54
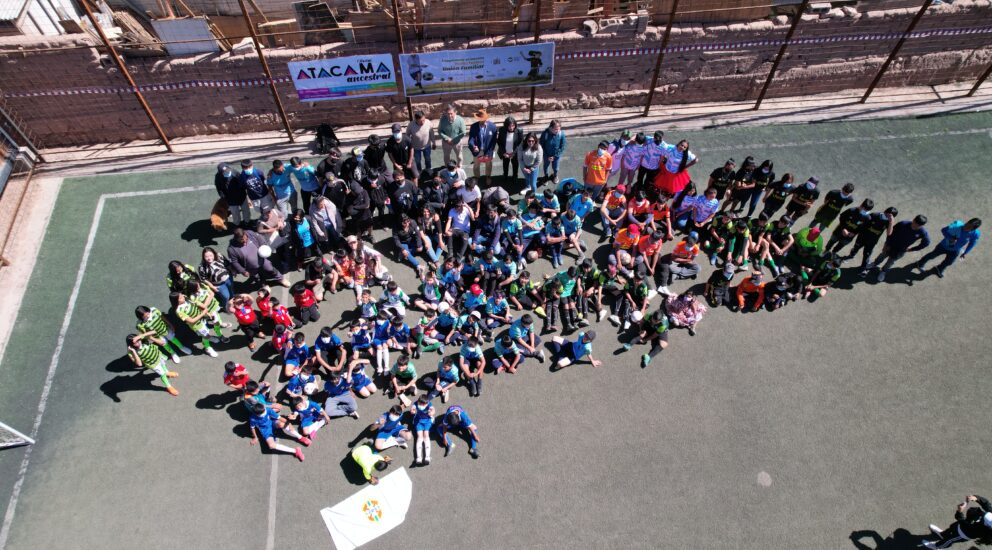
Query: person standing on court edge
column 421, row 134
column 229, row 188
column 969, row 524
column 508, row 138
column 957, row 236
column 482, row 144
column 553, row 147
column 451, row 128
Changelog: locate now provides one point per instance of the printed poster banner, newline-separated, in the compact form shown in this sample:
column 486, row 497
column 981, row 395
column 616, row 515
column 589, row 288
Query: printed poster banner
column 371, row 512
column 344, row 77
column 451, row 71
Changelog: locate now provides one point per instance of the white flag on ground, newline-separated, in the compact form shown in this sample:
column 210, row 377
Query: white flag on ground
column 371, row 512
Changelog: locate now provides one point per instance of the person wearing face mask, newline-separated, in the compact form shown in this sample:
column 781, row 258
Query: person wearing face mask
column 482, row 144
column 722, row 178
column 330, row 166
column 596, row 169
column 651, row 157
column 282, row 188
column 717, row 290
column 803, row 198
column 616, row 150
column 749, row 289
column 375, row 154
column 763, row 177
column 452, row 177
column 451, row 129
column 389, row 431
column 778, row 193
column 630, row 160
column 400, row 151
column 673, row 174
column 252, row 180
column 741, row 189
column 230, row 189
column 833, row 203
column 851, row 222
column 552, row 147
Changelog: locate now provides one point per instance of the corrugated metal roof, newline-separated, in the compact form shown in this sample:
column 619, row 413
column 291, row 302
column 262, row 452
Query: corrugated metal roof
column 10, row 9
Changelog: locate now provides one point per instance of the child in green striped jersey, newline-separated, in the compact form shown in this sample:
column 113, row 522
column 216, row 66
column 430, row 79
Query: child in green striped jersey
column 203, row 296
column 193, row 315
column 155, row 328
column 150, row 357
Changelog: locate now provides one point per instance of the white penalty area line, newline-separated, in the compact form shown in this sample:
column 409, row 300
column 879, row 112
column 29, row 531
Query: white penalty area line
column 47, row 388
column 857, row 139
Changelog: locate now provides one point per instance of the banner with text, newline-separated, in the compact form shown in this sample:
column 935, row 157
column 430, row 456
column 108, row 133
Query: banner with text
column 452, row 71
column 344, row 77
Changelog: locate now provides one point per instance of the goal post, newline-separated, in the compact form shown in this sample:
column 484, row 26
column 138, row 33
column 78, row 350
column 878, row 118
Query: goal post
column 9, row 437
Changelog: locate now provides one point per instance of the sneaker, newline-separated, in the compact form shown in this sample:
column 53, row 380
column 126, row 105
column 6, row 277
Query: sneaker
column 627, row 346
column 185, row 350
column 539, row 311
column 939, row 273
column 713, row 260
column 551, row 328
column 440, row 350
column 930, row 544
column 626, row 325
column 615, row 320
column 225, row 325
column 444, row 397
column 692, row 331
column 664, row 290
column 175, row 359
column 540, row 356
column 416, row 353
column 863, row 273
column 601, row 315
column 645, row 360
column 402, row 445
column 474, row 453
column 305, row 441
column 172, row 391
column 583, row 322
column 935, row 530
column 172, row 374
column 225, row 339
column 449, row 448
column 426, row 462
column 354, row 415
column 651, row 294
column 285, row 282
column 299, row 454
column 211, row 352
column 881, row 276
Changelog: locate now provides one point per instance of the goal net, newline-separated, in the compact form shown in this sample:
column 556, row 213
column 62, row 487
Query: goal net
column 9, row 437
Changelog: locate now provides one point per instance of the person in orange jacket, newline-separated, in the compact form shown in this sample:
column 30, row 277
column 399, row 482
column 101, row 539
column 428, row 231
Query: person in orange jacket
column 752, row 287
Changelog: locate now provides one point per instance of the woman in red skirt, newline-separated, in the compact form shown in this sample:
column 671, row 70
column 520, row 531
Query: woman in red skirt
column 674, row 174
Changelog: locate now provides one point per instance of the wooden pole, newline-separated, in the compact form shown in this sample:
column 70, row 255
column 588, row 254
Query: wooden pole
column 399, row 42
column 537, row 36
column 123, row 68
column 895, row 51
column 781, row 52
column 268, row 73
column 981, row 79
column 661, row 57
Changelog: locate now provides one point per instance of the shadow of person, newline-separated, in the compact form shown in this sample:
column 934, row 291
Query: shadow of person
column 141, row 381
column 900, row 539
column 217, row 401
column 352, row 471
column 123, row 364
column 203, row 233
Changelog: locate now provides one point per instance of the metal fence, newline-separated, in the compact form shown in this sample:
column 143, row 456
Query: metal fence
column 135, row 89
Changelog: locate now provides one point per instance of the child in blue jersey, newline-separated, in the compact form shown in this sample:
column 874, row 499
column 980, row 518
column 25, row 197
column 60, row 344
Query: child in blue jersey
column 445, row 379
column 497, row 312
column 296, row 355
column 447, row 324
column 302, row 383
column 554, row 238
column 360, row 382
column 508, row 356
column 340, row 400
column 456, row 419
column 423, row 419
column 511, row 233
column 361, row 338
column 380, row 336
column 258, row 392
column 523, row 333
column 582, row 204
column 472, row 363
column 262, row 419
column 474, row 299
column 367, row 308
column 311, row 416
column 329, row 352
column 567, row 352
column 389, row 429
column 572, row 224
column 398, row 338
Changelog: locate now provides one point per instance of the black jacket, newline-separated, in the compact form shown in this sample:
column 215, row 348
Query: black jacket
column 972, row 522
column 518, row 138
column 230, row 188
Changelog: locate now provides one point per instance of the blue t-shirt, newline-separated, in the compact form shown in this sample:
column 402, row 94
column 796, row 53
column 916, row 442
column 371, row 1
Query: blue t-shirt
column 303, row 230
column 296, row 383
column 460, row 218
column 572, row 226
column 469, row 352
column 581, row 207
column 401, row 334
column 335, row 390
column 538, row 224
column 264, row 421
column 254, row 183
column 497, row 308
column 579, row 348
column 382, row 330
column 463, row 420
column 553, row 203
column 332, row 343
column 297, row 354
column 511, row 349
column 307, row 177
column 361, row 339
column 449, row 377
column 311, row 414
column 472, row 301
column 519, row 331
column 281, row 185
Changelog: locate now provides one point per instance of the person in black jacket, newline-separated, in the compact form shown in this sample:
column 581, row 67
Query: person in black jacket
column 969, row 524
column 359, row 209
column 330, row 167
column 508, row 138
column 229, row 188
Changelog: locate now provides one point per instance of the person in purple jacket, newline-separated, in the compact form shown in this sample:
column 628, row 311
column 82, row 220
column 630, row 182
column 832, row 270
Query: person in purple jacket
column 899, row 242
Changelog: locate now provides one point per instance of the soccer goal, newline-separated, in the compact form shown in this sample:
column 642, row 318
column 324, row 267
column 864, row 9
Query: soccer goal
column 9, row 437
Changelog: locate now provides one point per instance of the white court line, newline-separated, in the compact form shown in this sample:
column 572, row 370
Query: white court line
column 270, row 539
column 47, row 388
column 846, row 140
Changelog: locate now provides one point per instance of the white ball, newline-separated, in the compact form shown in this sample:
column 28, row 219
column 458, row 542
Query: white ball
column 264, row 251
column 637, row 316
column 309, row 388
column 532, row 255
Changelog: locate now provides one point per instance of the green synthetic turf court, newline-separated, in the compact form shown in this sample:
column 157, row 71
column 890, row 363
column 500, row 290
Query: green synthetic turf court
column 862, row 415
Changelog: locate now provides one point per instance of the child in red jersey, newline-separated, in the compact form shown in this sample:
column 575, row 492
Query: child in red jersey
column 235, row 375
column 280, row 315
column 247, row 320
column 280, row 337
column 306, row 304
